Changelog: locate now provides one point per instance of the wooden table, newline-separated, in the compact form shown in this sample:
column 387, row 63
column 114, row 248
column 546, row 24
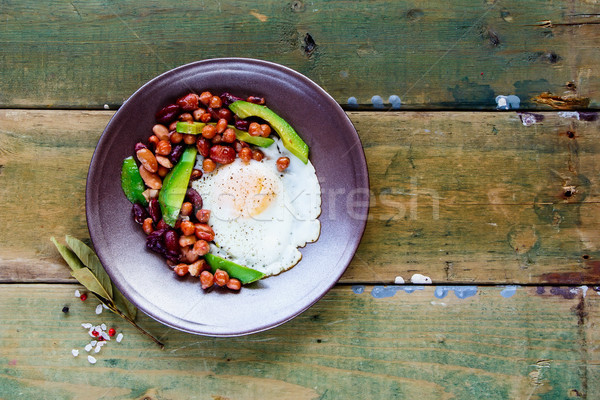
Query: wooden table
column 499, row 208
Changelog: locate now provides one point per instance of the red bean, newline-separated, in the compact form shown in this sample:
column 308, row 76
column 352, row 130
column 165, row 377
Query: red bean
column 167, row 114
column 189, row 102
column 154, row 210
column 222, row 154
column 203, row 147
column 256, row 100
column 139, row 213
column 172, row 241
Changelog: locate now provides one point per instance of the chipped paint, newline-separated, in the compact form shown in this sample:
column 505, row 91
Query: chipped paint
column 358, row 289
column 568, row 102
column 399, row 280
column 579, row 116
column 420, row 279
column 508, row 291
column 380, row 292
column 377, row 101
column 259, row 16
column 529, row 119
column 510, row 102
column 462, row 292
column 395, row 101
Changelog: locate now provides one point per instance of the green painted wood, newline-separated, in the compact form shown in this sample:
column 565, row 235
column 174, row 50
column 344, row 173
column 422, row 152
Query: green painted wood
column 430, row 54
column 459, row 197
column 349, row 345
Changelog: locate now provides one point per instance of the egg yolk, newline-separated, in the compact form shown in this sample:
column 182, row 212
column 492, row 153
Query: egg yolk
column 247, row 195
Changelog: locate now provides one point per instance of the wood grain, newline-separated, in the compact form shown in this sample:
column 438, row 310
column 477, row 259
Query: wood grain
column 431, row 54
column 349, row 345
column 459, row 197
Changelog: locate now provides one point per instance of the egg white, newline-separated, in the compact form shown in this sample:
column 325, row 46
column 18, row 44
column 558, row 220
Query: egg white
column 260, row 215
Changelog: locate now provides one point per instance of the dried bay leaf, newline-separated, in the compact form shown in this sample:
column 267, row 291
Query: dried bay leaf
column 91, row 260
column 68, row 255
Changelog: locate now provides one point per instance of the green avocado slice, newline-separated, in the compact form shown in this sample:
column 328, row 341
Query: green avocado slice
column 195, row 128
column 244, row 274
column 132, row 182
column 172, row 193
column 291, row 140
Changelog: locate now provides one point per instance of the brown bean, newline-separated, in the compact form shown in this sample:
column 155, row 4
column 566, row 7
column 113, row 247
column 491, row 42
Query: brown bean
column 198, row 113
column 187, row 240
column 188, row 255
column 257, row 155
column 176, row 137
column 266, row 130
column 229, row 135
column 203, row 147
column 245, row 154
column 221, row 125
column 181, row 269
column 153, row 140
column 147, row 159
column 234, row 284
column 189, row 139
column 197, row 267
column 160, row 131
column 162, row 171
column 186, row 117
column 222, row 154
column 206, row 117
column 254, row 129
column 147, row 226
column 225, row 113
column 163, row 148
column 164, row 161
column 201, row 247
column 173, row 126
column 187, row 227
column 204, row 232
column 208, row 165
column 215, row 102
column 221, row 277
column 151, row 180
column 196, row 174
column 209, row 131
column 203, row 216
column 207, row 279
column 256, row 100
column 282, row 163
column 217, row 139
column 189, row 102
column 205, row 97
column 186, row 210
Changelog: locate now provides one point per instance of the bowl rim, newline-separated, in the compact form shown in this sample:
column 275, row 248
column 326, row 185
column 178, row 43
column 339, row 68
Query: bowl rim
column 360, row 163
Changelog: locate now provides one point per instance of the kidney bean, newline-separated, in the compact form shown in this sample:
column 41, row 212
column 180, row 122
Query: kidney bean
column 172, row 241
column 227, row 98
column 139, row 146
column 225, row 113
column 154, row 210
column 176, row 153
column 214, row 113
column 162, row 225
column 189, row 102
column 242, row 124
column 194, row 197
column 156, row 242
column 256, row 100
column 167, row 114
column 139, row 213
column 203, row 147
column 222, row 154
column 196, row 173
column 221, row 125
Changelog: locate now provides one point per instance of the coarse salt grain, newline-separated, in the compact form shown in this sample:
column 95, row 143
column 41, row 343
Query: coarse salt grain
column 99, row 309
column 105, row 335
column 98, row 347
column 77, row 294
column 75, row 352
column 92, row 360
column 87, row 326
column 119, row 337
column 88, row 347
column 93, row 342
column 103, row 326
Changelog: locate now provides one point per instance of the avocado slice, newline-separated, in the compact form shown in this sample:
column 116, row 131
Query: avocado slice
column 195, row 128
column 175, row 185
column 291, row 140
column 244, row 274
column 132, row 182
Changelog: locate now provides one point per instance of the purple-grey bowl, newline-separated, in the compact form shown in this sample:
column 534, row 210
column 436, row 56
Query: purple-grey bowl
column 143, row 276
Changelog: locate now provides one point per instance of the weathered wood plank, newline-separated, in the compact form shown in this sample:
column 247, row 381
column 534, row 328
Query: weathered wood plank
column 430, row 54
column 459, row 197
column 492, row 343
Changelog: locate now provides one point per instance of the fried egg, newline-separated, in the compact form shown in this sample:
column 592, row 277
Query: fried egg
column 260, row 215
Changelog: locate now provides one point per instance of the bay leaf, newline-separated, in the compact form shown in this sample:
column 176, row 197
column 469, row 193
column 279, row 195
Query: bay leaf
column 68, row 255
column 123, row 304
column 91, row 260
column 89, row 280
